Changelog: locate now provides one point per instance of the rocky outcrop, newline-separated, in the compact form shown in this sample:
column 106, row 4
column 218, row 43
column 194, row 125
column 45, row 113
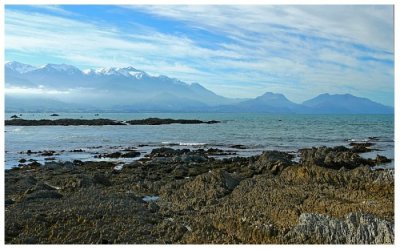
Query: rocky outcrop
column 185, row 196
column 159, row 121
column 203, row 190
column 355, row 228
column 338, row 157
column 100, row 122
column 62, row 122
column 273, row 161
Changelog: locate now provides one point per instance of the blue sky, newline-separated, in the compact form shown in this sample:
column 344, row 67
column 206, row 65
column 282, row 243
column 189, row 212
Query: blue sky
column 235, row 51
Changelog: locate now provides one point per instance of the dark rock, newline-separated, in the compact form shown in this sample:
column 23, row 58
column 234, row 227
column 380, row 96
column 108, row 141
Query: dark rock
column 334, row 158
column 214, row 151
column 44, row 194
column 111, row 155
column 212, row 122
column 14, row 117
column 361, row 147
column 239, row 146
column 77, row 162
column 131, row 154
column 22, row 161
column 8, row 202
column 380, row 159
column 77, row 150
column 101, row 179
column 50, row 159
column 62, row 122
column 159, row 121
column 54, row 115
column 48, row 153
column 273, row 161
column 168, row 152
column 180, row 172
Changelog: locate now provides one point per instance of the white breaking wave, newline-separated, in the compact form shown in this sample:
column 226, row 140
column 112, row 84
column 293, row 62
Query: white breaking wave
column 192, row 144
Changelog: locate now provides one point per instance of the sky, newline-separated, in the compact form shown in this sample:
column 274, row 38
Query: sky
column 236, row 51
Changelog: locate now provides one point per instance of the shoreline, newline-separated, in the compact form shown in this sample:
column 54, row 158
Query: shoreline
column 187, row 196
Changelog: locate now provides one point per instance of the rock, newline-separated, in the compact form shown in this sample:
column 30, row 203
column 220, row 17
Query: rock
column 355, row 228
column 212, row 122
column 212, row 151
column 361, row 147
column 111, row 155
column 77, row 162
column 14, row 117
column 237, row 200
column 205, row 189
column 273, row 161
column 382, row 160
column 131, row 154
column 54, row 115
column 101, row 179
column 158, row 121
column 22, row 161
column 48, row 153
column 44, row 194
column 77, row 150
column 238, row 146
column 8, row 202
column 62, row 122
column 167, row 152
column 190, row 158
column 334, row 158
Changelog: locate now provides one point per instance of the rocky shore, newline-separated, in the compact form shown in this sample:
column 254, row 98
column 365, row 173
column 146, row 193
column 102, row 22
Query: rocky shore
column 331, row 196
column 100, row 122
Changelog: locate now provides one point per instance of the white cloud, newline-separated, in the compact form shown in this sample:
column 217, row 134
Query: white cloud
column 298, row 50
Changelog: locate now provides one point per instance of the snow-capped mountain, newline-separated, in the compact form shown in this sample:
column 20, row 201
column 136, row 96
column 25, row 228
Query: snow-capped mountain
column 130, row 89
column 19, row 67
column 126, row 85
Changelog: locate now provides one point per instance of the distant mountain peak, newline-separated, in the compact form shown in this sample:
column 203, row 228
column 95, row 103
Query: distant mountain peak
column 346, row 104
column 19, row 67
column 60, row 68
column 270, row 96
column 113, row 71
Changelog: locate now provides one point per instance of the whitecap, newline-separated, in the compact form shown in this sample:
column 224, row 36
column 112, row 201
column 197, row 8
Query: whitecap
column 191, row 144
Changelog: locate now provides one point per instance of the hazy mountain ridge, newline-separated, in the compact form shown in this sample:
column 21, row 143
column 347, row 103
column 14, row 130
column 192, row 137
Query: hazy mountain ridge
column 131, row 90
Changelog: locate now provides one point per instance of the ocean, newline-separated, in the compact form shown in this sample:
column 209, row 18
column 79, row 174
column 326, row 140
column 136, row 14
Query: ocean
column 256, row 132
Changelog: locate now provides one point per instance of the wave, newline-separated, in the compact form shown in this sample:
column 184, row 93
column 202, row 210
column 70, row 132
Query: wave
column 183, row 143
column 192, row 144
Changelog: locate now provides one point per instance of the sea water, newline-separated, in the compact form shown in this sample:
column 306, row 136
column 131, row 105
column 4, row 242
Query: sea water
column 256, row 132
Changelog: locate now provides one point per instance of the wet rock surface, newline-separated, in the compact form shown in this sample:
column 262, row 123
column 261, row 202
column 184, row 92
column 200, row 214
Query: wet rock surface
column 185, row 196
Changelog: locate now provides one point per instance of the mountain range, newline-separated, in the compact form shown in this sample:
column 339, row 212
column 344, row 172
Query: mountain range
column 63, row 88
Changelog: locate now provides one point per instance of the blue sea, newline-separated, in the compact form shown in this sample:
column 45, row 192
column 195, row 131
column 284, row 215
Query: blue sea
column 257, row 132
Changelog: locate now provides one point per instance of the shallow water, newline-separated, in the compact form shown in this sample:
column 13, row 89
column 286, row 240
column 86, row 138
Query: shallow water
column 257, row 132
